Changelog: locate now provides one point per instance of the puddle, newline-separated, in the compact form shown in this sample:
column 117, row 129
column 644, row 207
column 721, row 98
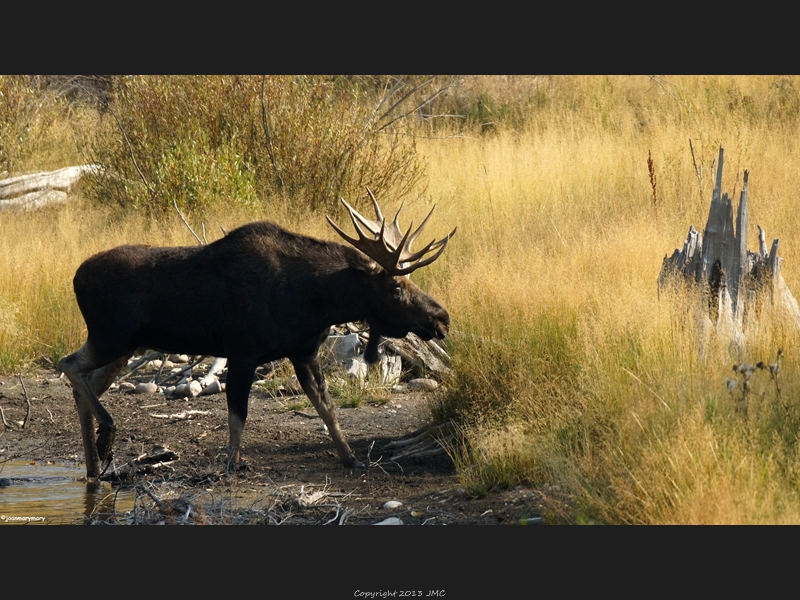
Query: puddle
column 43, row 493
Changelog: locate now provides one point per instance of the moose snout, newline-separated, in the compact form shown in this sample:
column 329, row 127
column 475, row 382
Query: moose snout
column 442, row 325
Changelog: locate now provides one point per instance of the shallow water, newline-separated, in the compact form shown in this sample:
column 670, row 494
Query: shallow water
column 42, row 493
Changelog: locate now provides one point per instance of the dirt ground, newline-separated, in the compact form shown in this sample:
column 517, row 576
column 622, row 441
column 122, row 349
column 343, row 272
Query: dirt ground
column 292, row 473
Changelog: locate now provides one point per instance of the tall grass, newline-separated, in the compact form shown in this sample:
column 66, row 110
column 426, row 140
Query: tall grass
column 570, row 369
column 571, row 372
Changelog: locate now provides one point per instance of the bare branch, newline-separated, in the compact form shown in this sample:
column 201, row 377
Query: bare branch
column 425, row 102
column 270, row 151
column 185, row 222
column 149, row 187
column 139, row 364
column 3, row 416
column 27, row 401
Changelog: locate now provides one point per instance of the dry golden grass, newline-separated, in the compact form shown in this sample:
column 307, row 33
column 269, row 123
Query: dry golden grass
column 558, row 328
column 570, row 370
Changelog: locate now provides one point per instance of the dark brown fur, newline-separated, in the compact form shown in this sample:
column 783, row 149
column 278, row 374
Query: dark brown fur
column 259, row 294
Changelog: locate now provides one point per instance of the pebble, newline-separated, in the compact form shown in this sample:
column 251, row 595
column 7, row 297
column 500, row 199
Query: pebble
column 293, row 385
column 392, row 504
column 390, row 521
column 145, row 388
column 215, row 387
column 423, row 385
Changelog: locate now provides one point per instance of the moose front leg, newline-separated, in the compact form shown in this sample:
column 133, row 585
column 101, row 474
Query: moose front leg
column 237, row 392
column 309, row 374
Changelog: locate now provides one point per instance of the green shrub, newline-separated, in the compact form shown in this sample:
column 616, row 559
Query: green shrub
column 203, row 140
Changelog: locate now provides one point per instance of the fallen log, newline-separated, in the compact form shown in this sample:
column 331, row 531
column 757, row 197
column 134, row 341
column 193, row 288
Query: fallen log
column 38, row 189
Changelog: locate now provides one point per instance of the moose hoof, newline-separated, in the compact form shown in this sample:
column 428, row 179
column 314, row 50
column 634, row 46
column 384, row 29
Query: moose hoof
column 236, row 463
column 355, row 464
column 93, row 474
column 105, row 440
column 238, row 466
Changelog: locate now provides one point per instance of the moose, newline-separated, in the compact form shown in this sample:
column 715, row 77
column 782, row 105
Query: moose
column 275, row 294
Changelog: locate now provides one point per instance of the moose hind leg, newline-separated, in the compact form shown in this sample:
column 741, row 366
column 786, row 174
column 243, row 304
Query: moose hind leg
column 101, row 379
column 81, row 368
column 309, row 374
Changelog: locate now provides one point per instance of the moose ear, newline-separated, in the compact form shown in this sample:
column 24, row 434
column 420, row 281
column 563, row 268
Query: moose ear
column 367, row 265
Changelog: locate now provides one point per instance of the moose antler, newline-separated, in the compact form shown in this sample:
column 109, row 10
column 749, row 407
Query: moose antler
column 387, row 245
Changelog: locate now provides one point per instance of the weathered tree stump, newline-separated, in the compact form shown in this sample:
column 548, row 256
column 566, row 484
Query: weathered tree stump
column 735, row 282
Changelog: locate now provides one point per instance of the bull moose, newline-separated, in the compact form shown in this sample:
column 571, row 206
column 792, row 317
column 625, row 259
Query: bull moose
column 275, row 294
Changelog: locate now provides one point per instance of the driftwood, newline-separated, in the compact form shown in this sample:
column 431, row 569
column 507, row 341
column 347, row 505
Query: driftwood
column 38, row 189
column 734, row 281
column 423, row 357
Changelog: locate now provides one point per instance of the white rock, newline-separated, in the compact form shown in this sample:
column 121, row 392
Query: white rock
column 215, row 387
column 390, row 521
column 400, row 388
column 293, row 385
column 392, row 504
column 357, row 368
column 146, row 388
column 422, row 385
column 126, row 386
column 195, row 388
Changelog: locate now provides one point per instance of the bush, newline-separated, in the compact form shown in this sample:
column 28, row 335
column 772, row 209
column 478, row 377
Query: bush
column 203, row 140
column 26, row 115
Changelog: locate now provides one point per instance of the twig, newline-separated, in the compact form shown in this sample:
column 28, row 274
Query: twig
column 266, row 135
column 407, row 95
column 185, row 222
column 139, row 364
column 3, row 416
column 375, row 463
column 182, row 371
column 133, row 155
column 697, row 171
column 27, row 401
column 663, row 86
